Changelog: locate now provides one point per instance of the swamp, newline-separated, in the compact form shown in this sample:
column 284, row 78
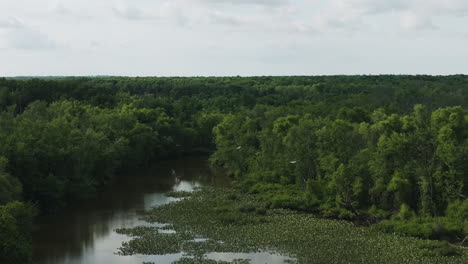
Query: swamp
column 225, row 220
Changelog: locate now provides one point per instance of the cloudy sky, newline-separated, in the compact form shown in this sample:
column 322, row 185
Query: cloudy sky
column 233, row 37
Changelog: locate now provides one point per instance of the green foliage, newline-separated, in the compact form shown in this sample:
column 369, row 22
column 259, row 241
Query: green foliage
column 10, row 187
column 280, row 196
column 425, row 227
column 410, row 164
column 66, row 150
column 377, row 213
column 15, row 232
column 203, row 260
column 342, row 146
column 405, row 213
column 436, row 248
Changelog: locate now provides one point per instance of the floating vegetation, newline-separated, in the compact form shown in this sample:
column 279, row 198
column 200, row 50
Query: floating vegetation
column 204, row 260
column 236, row 222
column 178, row 194
column 439, row 248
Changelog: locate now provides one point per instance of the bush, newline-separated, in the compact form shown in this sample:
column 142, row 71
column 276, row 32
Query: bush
column 438, row 248
column 405, row 213
column 425, row 227
column 413, row 228
column 280, row 196
column 333, row 211
column 376, row 213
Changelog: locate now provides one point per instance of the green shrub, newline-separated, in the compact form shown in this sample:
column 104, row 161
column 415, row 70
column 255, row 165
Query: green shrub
column 413, row 228
column 405, row 213
column 458, row 210
column 280, row 196
column 424, row 227
column 376, row 213
column 439, row 248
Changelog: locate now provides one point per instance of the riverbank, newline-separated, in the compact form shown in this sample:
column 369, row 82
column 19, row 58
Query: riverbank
column 225, row 220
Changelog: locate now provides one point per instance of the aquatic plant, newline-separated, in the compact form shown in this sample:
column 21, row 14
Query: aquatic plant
column 230, row 225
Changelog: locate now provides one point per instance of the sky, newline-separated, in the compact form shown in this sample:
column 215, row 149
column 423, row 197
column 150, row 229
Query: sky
column 232, row 37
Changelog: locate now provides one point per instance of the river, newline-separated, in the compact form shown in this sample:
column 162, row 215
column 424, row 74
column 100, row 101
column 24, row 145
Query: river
column 84, row 233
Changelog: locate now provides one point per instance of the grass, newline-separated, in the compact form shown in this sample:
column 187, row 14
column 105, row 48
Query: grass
column 236, row 222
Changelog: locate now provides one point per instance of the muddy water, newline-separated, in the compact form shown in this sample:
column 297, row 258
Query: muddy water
column 85, row 232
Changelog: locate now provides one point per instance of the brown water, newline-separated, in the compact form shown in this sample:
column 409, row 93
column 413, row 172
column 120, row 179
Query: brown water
column 84, row 233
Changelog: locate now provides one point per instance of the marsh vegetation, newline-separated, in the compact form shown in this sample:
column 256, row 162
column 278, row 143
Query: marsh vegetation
column 230, row 221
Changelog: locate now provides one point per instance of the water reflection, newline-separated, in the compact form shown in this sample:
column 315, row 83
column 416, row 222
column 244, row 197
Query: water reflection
column 84, row 233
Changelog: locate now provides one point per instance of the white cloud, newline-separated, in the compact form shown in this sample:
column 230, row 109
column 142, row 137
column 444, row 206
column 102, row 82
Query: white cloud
column 28, row 39
column 69, row 10
column 220, row 18
column 59, row 8
column 416, row 21
column 174, row 12
column 177, row 13
column 444, row 7
column 10, row 22
column 129, row 12
column 247, row 2
column 372, row 6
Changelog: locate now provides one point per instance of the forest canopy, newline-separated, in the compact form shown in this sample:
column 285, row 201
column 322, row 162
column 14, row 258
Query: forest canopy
column 386, row 149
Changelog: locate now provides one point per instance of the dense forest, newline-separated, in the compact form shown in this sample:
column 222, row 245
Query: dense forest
column 385, row 150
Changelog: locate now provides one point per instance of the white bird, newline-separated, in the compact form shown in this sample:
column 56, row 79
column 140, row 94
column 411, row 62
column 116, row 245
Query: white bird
column 239, row 147
column 293, row 162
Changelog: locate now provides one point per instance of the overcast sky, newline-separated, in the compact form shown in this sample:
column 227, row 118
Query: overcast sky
column 233, row 37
